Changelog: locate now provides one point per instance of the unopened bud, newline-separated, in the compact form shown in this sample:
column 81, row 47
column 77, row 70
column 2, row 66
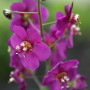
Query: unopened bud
column 7, row 13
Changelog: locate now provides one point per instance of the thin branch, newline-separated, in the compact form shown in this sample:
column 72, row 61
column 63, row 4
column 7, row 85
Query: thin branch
column 33, row 25
column 49, row 23
column 57, row 41
column 40, row 21
column 37, row 81
column 24, row 12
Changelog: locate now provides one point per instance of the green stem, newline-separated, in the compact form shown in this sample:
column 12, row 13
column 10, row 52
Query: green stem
column 49, row 23
column 37, row 81
column 30, row 21
column 40, row 21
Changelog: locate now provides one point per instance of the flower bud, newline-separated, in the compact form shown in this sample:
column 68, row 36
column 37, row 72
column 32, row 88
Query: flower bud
column 7, row 13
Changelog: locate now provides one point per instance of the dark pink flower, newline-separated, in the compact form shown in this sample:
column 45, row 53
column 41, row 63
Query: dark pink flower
column 27, row 6
column 67, row 24
column 29, row 47
column 58, row 77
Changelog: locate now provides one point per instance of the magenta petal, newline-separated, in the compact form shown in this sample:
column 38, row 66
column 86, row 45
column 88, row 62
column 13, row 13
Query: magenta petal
column 62, row 48
column 30, row 61
column 30, row 4
column 72, row 73
column 33, row 36
column 67, row 7
column 15, row 40
column 20, row 32
column 62, row 23
column 59, row 14
column 55, row 85
column 17, row 7
column 41, row 50
column 44, row 13
column 70, row 11
column 70, row 40
column 16, row 21
column 69, row 64
column 47, row 80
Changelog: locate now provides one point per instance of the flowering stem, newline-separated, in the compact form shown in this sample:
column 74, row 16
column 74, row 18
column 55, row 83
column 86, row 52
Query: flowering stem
column 40, row 20
column 37, row 81
column 57, row 40
column 24, row 12
column 49, row 23
column 33, row 25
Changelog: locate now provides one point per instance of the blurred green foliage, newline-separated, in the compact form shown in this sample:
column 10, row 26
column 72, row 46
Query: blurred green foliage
column 82, row 9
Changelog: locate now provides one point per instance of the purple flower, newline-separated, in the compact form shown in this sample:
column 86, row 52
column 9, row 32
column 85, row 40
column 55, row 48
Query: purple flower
column 27, row 6
column 59, row 49
column 80, row 83
column 58, row 77
column 17, row 77
column 29, row 47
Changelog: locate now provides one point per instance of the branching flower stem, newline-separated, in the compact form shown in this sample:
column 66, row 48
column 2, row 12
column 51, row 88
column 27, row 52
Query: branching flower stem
column 24, row 12
column 40, row 21
column 29, row 20
column 49, row 23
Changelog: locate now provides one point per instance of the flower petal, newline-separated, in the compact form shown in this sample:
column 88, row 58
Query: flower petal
column 44, row 13
column 17, row 7
column 48, row 79
column 55, row 85
column 66, row 8
column 41, row 50
column 20, row 32
column 62, row 48
column 31, row 61
column 15, row 40
column 59, row 14
column 16, row 21
column 70, row 40
column 29, row 4
column 33, row 36
column 70, row 64
column 62, row 23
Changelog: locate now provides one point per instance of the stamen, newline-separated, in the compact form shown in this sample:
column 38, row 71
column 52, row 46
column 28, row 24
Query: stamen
column 62, row 80
column 62, row 87
column 17, row 47
column 22, row 44
column 25, row 49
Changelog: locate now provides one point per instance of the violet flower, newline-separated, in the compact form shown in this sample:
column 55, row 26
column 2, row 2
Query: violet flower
column 29, row 47
column 58, row 77
column 67, row 24
column 27, row 6
column 80, row 83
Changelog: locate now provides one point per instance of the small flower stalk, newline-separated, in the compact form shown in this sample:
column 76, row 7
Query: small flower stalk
column 30, row 44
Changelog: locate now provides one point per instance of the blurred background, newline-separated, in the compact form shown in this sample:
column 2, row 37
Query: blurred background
column 81, row 50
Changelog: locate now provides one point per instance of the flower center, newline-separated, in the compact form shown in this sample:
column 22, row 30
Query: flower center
column 26, row 16
column 24, row 47
column 63, row 78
